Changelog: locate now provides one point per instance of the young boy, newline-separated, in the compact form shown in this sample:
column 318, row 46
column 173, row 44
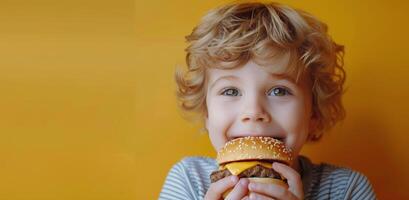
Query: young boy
column 263, row 69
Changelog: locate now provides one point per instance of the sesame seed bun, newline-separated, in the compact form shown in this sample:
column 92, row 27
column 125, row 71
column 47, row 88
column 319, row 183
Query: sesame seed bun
column 254, row 148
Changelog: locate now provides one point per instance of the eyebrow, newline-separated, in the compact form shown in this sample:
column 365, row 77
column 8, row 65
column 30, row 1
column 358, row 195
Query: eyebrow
column 273, row 76
column 284, row 76
column 230, row 77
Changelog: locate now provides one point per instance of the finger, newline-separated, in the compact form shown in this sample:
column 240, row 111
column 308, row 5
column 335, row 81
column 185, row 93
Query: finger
column 270, row 190
column 239, row 191
column 256, row 196
column 293, row 179
column 217, row 188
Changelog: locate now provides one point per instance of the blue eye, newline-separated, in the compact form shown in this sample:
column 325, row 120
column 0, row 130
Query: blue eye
column 279, row 91
column 231, row 92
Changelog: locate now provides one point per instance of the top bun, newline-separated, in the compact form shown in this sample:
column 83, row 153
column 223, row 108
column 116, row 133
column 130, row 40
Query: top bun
column 254, row 148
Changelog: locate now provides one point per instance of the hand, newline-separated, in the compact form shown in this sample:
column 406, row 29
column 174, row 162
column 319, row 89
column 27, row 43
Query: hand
column 265, row 191
column 216, row 189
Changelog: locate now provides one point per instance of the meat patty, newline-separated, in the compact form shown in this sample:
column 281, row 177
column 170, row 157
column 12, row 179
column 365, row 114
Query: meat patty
column 256, row 171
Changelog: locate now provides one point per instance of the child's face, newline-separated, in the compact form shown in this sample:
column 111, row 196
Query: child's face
column 250, row 101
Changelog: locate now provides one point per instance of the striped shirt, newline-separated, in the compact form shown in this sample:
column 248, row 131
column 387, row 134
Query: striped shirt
column 189, row 179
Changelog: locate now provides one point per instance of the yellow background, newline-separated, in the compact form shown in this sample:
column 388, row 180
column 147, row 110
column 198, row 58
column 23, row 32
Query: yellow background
column 87, row 106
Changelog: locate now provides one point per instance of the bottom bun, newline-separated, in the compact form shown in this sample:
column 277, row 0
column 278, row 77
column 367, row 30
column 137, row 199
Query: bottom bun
column 261, row 180
column 269, row 180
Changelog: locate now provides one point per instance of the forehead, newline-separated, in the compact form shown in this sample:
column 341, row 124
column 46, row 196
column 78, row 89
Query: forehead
column 278, row 66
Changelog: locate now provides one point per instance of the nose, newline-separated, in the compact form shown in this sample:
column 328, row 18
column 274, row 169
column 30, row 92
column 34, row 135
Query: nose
column 255, row 117
column 255, row 112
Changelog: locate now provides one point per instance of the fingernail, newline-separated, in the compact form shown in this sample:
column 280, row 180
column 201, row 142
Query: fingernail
column 276, row 164
column 244, row 182
column 234, row 179
column 251, row 186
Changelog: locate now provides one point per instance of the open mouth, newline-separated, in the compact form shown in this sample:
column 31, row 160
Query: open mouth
column 282, row 139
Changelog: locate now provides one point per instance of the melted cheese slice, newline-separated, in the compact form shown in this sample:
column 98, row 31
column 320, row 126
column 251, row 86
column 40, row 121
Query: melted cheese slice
column 237, row 167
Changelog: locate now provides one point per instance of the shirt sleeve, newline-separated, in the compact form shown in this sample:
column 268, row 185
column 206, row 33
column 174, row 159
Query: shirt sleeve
column 177, row 185
column 359, row 188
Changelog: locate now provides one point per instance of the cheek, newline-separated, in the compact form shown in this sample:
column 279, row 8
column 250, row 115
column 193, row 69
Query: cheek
column 221, row 111
column 294, row 119
column 220, row 117
column 291, row 117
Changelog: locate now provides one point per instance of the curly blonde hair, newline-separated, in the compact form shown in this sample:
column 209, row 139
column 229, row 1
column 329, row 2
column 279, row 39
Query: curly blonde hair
column 231, row 35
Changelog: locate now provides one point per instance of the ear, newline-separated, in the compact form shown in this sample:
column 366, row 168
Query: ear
column 313, row 124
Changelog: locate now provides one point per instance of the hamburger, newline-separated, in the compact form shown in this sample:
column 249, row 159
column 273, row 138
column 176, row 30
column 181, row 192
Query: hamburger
column 252, row 158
